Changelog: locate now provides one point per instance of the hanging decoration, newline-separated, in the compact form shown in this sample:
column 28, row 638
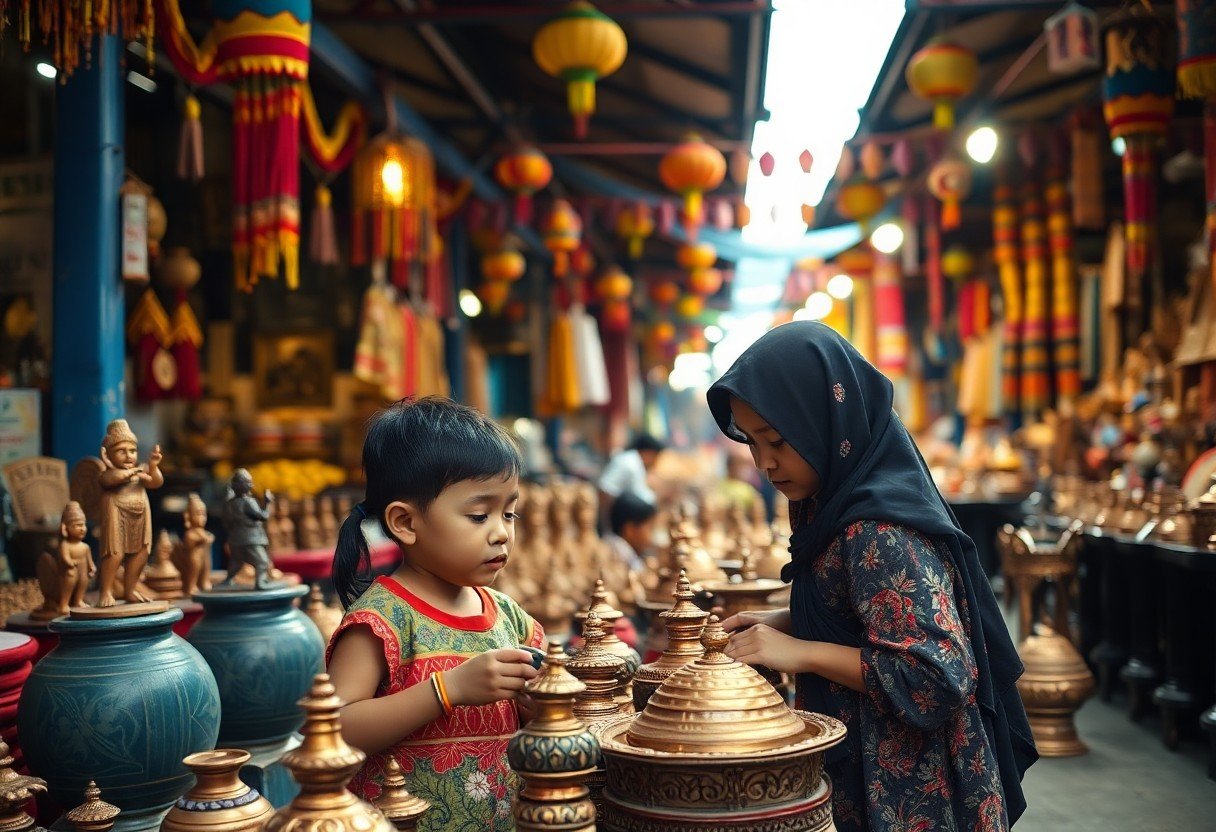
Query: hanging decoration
column 330, row 152
column 891, row 329
column 1035, row 369
column 580, row 46
column 1138, row 94
column 950, row 181
column 148, row 330
column 634, row 225
column 690, row 169
column 959, row 266
column 1065, row 323
column 942, row 72
column 582, row 261
column 562, row 233
column 593, row 387
column 690, row 307
column 1007, row 256
column 614, row 286
column 663, row 293
column 524, row 172
column 1088, row 149
column 506, row 264
column 705, row 282
column 261, row 49
column 860, row 200
column 693, row 256
column 767, row 163
column 934, row 274
column 1072, row 40
column 1197, row 79
column 69, row 27
column 858, row 263
column 180, row 272
column 190, row 141
column 494, row 294
column 806, row 160
column 561, row 394
column 872, row 160
column 394, row 204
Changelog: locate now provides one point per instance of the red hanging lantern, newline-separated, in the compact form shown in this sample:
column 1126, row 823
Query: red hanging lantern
column 704, row 282
column 943, row 72
column 695, row 256
column 616, row 316
column 950, row 182
column 614, row 285
column 562, row 234
column 664, row 293
column 767, row 163
column 494, row 294
column 691, row 169
column 634, row 225
column 524, row 172
column 505, row 265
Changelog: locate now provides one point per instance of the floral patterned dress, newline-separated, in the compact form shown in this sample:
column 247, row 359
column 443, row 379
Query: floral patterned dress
column 458, row 763
column 916, row 758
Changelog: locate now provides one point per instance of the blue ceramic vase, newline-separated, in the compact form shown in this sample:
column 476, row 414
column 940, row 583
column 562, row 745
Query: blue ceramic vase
column 119, row 701
column 264, row 653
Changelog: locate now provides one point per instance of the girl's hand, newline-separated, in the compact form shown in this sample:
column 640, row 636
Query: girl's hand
column 762, row 645
column 778, row 620
column 491, row 677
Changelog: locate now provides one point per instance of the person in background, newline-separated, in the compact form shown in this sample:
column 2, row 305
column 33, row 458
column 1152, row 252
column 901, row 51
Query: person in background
column 737, row 488
column 631, row 520
column 628, row 473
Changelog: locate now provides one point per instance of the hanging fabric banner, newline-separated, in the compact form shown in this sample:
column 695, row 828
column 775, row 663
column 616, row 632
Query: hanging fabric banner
column 1065, row 326
column 1006, row 254
column 1035, row 376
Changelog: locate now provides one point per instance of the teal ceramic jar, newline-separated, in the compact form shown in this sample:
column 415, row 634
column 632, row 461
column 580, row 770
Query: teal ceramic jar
column 264, row 653
column 119, row 701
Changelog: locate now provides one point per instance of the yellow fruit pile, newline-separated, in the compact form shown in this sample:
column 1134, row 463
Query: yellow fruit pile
column 294, row 479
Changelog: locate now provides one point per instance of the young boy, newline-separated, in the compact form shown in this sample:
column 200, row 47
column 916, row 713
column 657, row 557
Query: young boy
column 632, row 520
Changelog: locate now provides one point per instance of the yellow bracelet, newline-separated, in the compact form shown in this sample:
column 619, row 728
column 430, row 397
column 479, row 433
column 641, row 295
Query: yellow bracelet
column 441, row 692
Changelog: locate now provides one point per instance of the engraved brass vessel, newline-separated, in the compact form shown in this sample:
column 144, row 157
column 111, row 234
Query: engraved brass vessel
column 219, row 801
column 683, row 623
column 1056, row 683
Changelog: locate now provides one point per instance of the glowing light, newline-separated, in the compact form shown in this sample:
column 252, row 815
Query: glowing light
column 46, row 70
column 982, row 144
column 1119, row 145
column 142, row 81
column 691, row 370
column 470, row 304
column 802, row 314
column 819, row 306
column 392, row 175
column 840, row 286
column 713, row 334
column 888, row 237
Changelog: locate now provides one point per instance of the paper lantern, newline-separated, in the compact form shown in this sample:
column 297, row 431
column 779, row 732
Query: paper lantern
column 664, row 293
column 394, row 204
column 662, row 333
column 614, row 285
column 690, row 306
column 494, row 294
column 872, row 160
column 506, row 265
column 704, row 282
column 957, row 263
column 950, row 181
column 616, row 316
column 860, row 200
column 634, row 225
column 580, row 46
column 690, row 169
column 1197, row 79
column 942, row 72
column 524, row 172
column 582, row 261
column 693, row 256
column 562, row 234
column 1072, row 40
column 806, row 159
column 767, row 163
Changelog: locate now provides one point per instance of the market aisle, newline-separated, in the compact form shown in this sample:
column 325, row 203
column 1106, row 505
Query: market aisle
column 1128, row 782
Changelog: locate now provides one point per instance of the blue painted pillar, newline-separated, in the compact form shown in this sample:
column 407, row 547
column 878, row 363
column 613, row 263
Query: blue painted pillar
column 87, row 388
column 457, row 331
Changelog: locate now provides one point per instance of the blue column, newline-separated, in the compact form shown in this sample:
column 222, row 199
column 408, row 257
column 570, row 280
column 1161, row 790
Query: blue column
column 87, row 388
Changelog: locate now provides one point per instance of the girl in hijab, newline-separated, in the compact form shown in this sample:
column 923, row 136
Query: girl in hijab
column 892, row 626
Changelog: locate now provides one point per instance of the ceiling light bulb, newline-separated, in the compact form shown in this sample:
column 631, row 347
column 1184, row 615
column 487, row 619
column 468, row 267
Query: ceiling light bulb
column 887, row 238
column 840, row 286
column 470, row 304
column 982, row 144
column 392, row 176
column 46, row 70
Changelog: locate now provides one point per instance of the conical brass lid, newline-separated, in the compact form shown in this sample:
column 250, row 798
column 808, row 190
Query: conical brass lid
column 94, row 815
column 684, row 622
column 716, row 705
column 396, row 803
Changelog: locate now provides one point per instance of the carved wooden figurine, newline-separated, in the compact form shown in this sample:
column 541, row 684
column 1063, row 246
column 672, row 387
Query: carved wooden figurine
column 162, row 576
column 193, row 555
column 245, row 521
column 310, row 533
column 329, row 522
column 63, row 573
column 126, row 515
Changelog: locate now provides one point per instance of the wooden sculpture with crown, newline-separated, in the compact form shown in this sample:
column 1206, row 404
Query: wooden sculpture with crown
column 64, row 572
column 17, row 791
column 683, row 624
column 323, row 765
column 609, row 616
column 554, row 754
column 717, row 747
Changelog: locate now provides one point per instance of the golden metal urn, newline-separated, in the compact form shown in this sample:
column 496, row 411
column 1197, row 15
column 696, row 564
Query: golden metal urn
column 747, row 591
column 402, row 809
column 94, row 815
column 717, row 747
column 683, row 623
column 219, row 800
column 1056, row 683
column 604, row 676
column 611, row 642
column 17, row 791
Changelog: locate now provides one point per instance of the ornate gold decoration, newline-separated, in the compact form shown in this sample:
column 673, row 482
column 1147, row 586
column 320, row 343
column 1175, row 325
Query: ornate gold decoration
column 403, row 809
column 612, row 643
column 554, row 754
column 16, row 792
column 219, row 801
column 1056, row 683
column 323, row 765
column 94, row 815
column 601, row 672
column 683, row 623
column 749, row 592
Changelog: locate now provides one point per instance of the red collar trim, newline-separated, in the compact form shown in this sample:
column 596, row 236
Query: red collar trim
column 472, row 623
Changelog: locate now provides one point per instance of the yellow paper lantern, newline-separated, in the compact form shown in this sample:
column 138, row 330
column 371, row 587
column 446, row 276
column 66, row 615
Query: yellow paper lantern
column 562, row 234
column 690, row 306
column 943, row 72
column 664, row 293
column 614, row 285
column 634, row 225
column 695, row 256
column 957, row 263
column 506, row 265
column 860, row 200
column 704, row 282
column 494, row 294
column 690, row 169
column 580, row 46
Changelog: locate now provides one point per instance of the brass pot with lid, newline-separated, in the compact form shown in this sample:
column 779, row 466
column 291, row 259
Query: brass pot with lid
column 683, row 622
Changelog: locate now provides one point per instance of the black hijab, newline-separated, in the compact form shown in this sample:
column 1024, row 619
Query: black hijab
column 835, row 409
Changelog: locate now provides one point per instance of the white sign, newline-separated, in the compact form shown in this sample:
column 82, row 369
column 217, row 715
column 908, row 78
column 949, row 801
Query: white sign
column 20, row 425
column 135, row 237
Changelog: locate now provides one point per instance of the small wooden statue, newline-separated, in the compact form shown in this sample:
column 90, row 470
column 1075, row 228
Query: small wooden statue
column 245, row 521
column 330, row 523
column 310, row 534
column 193, row 554
column 162, row 576
column 126, row 515
column 64, row 573
column 283, row 529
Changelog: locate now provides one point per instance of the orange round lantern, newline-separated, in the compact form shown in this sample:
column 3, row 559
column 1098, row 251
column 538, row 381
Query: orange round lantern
column 562, row 234
column 860, row 200
column 856, row 262
column 950, row 181
column 704, row 282
column 690, row 306
column 506, row 265
column 743, row 214
column 957, row 263
column 616, row 316
column 523, row 173
column 943, row 72
column 582, row 261
column 693, row 256
column 691, row 169
column 664, row 293
column 662, row 333
column 634, row 225
column 580, row 46
column 614, row 285
column 494, row 294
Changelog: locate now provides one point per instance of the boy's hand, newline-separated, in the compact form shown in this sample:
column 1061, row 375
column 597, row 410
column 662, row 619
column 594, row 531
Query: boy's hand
column 491, row 677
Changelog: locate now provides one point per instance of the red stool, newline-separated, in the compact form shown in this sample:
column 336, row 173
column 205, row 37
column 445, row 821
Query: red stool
column 17, row 655
column 313, row 565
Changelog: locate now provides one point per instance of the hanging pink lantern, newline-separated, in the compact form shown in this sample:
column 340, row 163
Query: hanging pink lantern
column 872, row 160
column 806, row 160
column 903, row 159
column 1072, row 40
column 767, row 163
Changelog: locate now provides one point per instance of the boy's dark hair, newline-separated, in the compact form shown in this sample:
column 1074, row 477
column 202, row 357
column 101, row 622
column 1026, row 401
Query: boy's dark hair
column 646, row 442
column 413, row 451
column 629, row 508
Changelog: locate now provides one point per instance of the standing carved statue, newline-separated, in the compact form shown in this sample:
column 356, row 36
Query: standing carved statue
column 193, row 555
column 245, row 521
column 310, row 534
column 64, row 573
column 126, row 514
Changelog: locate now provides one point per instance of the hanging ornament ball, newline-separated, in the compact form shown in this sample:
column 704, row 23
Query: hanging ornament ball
column 808, row 214
column 690, row 169
column 616, row 316
column 634, row 225
column 158, row 221
column 664, row 293
column 860, row 200
column 767, row 163
column 690, row 306
column 662, row 333
column 692, row 256
column 743, row 215
column 580, row 46
column 524, row 171
column 806, row 160
column 872, row 160
column 903, row 158
column 943, row 72
column 856, row 262
column 957, row 263
column 704, row 282
column 582, row 261
column 506, row 265
column 950, row 181
column 562, row 234
column 494, row 294
column 614, row 285
column 178, row 270
column 740, row 164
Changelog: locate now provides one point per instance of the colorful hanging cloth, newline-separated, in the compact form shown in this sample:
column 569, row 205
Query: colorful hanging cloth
column 1065, row 326
column 1006, row 254
column 889, row 315
column 185, row 340
column 589, row 358
column 148, row 330
column 1035, row 370
column 560, row 395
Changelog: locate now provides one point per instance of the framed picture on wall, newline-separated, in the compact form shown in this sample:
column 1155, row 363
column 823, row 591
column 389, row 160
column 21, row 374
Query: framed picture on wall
column 294, row 369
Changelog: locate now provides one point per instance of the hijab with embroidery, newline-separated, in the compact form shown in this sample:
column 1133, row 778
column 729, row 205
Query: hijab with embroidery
column 835, row 409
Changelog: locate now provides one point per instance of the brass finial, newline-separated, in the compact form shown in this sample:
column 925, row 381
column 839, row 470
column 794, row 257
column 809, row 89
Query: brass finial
column 608, row 616
column 602, row 673
column 94, row 815
column 16, row 790
column 402, row 809
column 684, row 622
column 714, row 639
column 747, row 570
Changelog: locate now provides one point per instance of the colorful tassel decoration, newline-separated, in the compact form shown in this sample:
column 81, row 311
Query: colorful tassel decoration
column 892, row 333
column 1065, row 326
column 1197, row 79
column 1005, row 238
column 323, row 236
column 1035, row 378
column 186, row 339
column 148, row 330
column 190, row 143
column 561, row 392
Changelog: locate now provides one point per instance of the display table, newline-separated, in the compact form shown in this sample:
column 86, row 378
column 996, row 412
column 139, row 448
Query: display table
column 17, row 652
column 314, row 565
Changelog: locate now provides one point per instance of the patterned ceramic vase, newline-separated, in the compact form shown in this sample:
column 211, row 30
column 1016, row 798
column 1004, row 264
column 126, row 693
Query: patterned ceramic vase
column 264, row 653
column 219, row 801
column 121, row 701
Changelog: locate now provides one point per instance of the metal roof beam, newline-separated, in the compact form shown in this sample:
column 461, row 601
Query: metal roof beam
column 678, row 64
column 449, row 15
